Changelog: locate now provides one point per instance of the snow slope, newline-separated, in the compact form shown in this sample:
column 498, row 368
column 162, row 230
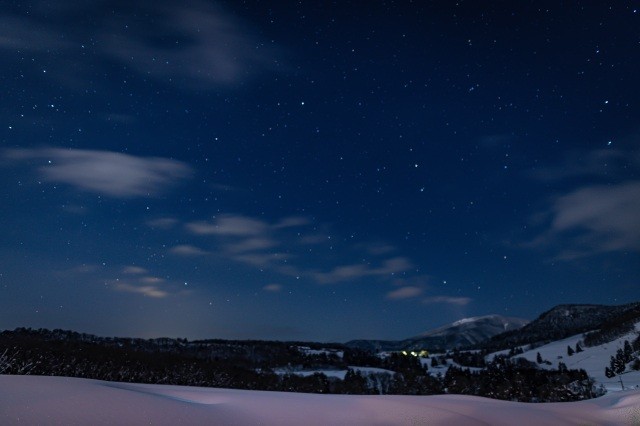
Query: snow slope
column 593, row 360
column 34, row 400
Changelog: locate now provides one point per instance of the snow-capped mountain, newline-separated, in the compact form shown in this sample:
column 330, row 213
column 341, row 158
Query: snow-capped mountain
column 465, row 332
column 461, row 333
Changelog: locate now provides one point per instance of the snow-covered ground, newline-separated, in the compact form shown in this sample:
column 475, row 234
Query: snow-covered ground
column 31, row 400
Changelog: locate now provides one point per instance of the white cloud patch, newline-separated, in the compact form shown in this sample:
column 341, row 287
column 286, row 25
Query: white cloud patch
column 104, row 172
column 273, row 288
column 134, row 270
column 405, row 293
column 145, row 290
column 600, row 214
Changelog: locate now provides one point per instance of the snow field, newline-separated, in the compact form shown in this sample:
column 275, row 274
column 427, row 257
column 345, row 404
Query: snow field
column 30, row 400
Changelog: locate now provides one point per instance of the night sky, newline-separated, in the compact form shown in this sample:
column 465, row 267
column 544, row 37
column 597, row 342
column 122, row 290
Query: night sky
column 314, row 170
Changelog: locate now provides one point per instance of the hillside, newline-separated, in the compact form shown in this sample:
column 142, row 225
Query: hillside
column 563, row 321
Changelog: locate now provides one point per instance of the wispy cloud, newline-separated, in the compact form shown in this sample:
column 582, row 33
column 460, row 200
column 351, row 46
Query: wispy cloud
column 209, row 47
column 405, row 293
column 292, row 222
column 134, row 270
column 594, row 219
column 145, row 290
column 361, row 270
column 457, row 301
column 248, row 240
column 104, row 172
column 195, row 44
column 276, row 245
column 599, row 214
column 132, row 279
column 188, row 250
column 273, row 288
column 229, row 225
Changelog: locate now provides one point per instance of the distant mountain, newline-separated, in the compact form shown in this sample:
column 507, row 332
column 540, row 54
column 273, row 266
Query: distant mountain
column 465, row 332
column 563, row 321
column 462, row 333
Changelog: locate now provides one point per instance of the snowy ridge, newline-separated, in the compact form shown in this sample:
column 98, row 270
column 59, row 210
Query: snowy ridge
column 563, row 321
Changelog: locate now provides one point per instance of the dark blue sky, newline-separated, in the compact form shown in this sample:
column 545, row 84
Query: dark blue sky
column 314, row 171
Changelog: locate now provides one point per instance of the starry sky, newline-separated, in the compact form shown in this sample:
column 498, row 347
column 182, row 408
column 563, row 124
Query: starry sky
column 314, row 170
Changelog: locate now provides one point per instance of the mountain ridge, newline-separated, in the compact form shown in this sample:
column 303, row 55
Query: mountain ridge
column 563, row 321
column 458, row 334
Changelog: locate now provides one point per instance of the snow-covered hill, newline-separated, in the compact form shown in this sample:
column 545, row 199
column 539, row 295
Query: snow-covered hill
column 591, row 359
column 34, row 400
column 563, row 321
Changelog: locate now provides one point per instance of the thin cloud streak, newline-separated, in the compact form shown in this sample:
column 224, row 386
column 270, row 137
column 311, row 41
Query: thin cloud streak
column 457, row 301
column 188, row 250
column 145, row 290
column 229, row 225
column 404, row 293
column 357, row 271
column 273, row 288
column 134, row 270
